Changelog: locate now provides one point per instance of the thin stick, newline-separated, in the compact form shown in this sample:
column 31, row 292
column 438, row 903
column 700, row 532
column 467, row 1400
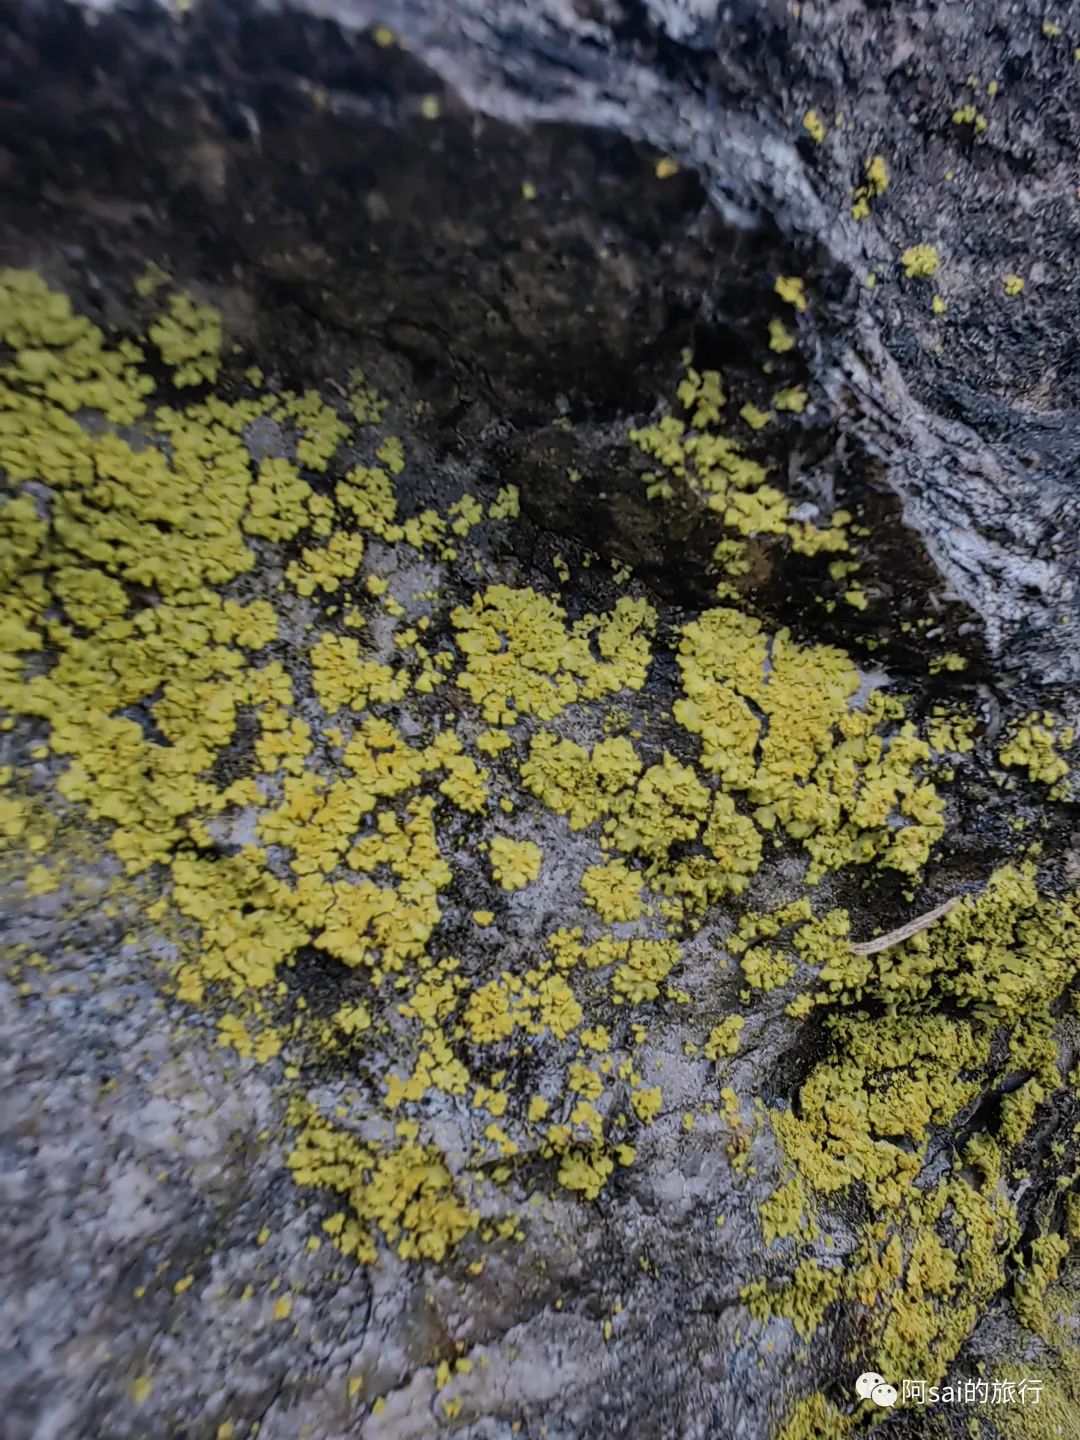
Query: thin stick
column 905, row 932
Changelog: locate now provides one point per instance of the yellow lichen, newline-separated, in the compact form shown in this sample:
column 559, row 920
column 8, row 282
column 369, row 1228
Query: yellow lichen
column 792, row 289
column 1034, row 746
column 835, row 796
column 188, row 336
column 724, row 1038
column 274, row 772
column 521, row 657
column 792, row 399
column 714, row 467
column 404, row 1191
column 920, row 261
column 874, row 186
column 514, row 863
column 969, row 115
column 614, row 890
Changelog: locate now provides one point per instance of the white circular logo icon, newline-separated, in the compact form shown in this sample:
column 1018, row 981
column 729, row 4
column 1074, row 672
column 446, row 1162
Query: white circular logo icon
column 872, row 1386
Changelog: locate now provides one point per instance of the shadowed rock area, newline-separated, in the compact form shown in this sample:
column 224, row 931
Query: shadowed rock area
column 585, row 535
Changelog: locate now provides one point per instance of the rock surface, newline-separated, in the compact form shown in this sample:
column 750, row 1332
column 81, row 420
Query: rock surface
column 515, row 219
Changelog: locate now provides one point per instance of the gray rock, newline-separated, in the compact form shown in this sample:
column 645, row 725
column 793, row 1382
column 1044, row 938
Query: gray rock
column 517, row 267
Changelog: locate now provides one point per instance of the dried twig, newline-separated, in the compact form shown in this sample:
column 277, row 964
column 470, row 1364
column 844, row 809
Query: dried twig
column 905, row 932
